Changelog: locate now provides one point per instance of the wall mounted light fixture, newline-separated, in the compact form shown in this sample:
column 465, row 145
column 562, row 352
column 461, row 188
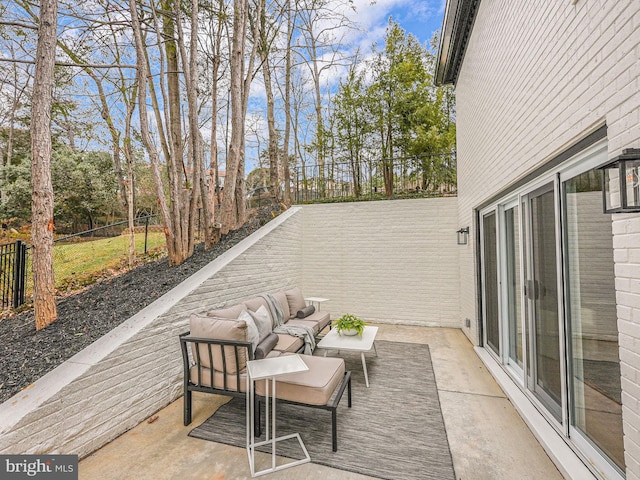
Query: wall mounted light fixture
column 620, row 183
column 463, row 236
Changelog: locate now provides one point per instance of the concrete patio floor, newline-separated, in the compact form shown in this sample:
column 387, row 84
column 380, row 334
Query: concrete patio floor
column 488, row 439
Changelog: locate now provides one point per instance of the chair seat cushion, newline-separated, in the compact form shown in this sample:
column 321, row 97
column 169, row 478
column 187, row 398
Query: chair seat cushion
column 313, row 387
column 218, row 379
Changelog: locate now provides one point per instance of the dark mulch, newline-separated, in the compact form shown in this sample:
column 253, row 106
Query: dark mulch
column 84, row 317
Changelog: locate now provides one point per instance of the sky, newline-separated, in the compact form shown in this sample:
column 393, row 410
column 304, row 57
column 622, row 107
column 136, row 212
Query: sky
column 419, row 17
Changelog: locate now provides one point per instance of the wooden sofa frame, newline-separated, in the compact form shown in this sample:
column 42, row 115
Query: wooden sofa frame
column 238, row 346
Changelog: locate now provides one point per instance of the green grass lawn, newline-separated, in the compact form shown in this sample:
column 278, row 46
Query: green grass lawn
column 82, row 263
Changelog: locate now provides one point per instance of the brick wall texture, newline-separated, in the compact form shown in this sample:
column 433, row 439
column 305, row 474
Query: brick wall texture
column 536, row 78
column 391, row 261
column 134, row 371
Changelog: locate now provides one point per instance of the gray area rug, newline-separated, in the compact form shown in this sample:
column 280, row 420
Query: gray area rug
column 393, row 431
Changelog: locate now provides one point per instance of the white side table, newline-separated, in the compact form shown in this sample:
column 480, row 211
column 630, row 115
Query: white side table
column 357, row 343
column 314, row 300
column 265, row 369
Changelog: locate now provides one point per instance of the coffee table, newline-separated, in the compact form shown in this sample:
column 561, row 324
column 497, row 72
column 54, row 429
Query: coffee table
column 357, row 343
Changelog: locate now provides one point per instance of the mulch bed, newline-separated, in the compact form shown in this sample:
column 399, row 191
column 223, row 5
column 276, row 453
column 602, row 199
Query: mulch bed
column 84, row 317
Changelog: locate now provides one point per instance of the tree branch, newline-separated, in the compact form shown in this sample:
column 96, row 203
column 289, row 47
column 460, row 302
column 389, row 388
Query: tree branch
column 67, row 64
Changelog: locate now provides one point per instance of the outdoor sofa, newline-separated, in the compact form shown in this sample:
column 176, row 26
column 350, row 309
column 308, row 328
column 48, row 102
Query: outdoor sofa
column 219, row 343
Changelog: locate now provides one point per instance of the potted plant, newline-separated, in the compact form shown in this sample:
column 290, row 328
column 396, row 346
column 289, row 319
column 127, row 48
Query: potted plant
column 349, row 324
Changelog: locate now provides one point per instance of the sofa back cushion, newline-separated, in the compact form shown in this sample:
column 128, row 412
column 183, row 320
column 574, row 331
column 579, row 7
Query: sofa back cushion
column 284, row 304
column 220, row 329
column 295, row 299
column 253, row 304
column 232, row 312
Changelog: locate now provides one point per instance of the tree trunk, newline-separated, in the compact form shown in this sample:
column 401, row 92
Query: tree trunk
column 274, row 180
column 287, row 109
column 212, row 197
column 143, row 78
column 228, row 210
column 42, row 189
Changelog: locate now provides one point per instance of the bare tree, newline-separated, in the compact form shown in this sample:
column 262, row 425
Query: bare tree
column 322, row 27
column 268, row 30
column 229, row 211
column 42, row 190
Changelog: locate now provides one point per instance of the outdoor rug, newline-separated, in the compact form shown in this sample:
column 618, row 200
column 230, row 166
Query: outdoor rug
column 393, row 431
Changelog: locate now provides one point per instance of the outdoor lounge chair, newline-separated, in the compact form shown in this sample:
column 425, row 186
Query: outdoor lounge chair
column 218, row 366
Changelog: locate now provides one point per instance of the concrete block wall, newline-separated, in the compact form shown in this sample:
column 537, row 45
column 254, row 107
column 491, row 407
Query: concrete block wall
column 536, row 78
column 129, row 374
column 388, row 261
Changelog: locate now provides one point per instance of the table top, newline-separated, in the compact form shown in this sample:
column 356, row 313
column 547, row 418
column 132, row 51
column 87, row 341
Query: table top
column 344, row 342
column 316, row 299
column 271, row 367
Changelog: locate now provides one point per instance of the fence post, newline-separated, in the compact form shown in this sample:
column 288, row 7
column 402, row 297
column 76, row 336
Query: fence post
column 146, row 233
column 19, row 271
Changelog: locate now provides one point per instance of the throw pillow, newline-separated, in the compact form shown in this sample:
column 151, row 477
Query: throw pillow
column 306, row 311
column 295, row 299
column 219, row 329
column 253, row 335
column 262, row 321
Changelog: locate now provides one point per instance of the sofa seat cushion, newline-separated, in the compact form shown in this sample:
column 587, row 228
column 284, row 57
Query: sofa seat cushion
column 313, row 387
column 288, row 343
column 218, row 379
column 317, row 321
column 219, row 329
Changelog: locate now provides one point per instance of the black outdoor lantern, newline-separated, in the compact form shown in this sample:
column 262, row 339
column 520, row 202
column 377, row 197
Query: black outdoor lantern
column 463, row 234
column 620, row 183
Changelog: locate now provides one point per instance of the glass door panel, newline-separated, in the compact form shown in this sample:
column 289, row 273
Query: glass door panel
column 541, row 290
column 490, row 282
column 596, row 406
column 513, row 288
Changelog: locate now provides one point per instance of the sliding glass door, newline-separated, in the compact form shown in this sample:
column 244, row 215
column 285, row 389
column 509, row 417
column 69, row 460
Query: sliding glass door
column 549, row 304
column 541, row 292
column 596, row 403
column 490, row 281
column 512, row 286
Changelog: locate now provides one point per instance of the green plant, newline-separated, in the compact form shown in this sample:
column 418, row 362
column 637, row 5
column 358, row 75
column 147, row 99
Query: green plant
column 348, row 322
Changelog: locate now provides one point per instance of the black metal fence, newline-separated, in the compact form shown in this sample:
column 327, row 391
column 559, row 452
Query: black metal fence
column 419, row 176
column 13, row 273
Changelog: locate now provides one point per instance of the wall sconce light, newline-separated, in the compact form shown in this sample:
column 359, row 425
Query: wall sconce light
column 463, row 235
column 620, row 183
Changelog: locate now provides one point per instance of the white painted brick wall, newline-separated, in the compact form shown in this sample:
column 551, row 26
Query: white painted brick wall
column 390, row 261
column 536, row 78
column 401, row 251
column 135, row 370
